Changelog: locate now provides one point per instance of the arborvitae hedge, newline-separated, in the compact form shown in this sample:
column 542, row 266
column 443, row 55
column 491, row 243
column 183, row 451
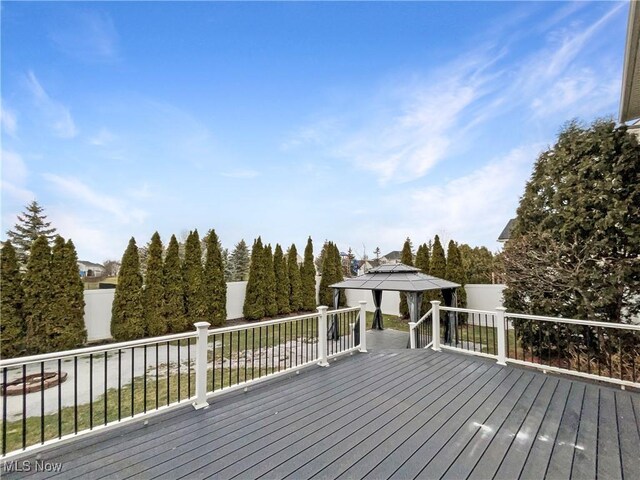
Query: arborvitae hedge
column 153, row 295
column 215, row 286
column 438, row 266
column 254, row 305
column 38, row 297
column 12, row 324
column 281, row 273
column 270, row 301
column 295, row 279
column 66, row 329
column 127, row 316
column 192, row 276
column 422, row 262
column 174, row 312
column 455, row 272
column 325, row 295
column 308, row 278
column 406, row 257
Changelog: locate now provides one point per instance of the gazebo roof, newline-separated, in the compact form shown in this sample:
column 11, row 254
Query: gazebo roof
column 397, row 277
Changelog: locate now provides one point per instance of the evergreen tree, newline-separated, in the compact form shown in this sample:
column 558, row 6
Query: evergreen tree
column 215, row 286
column 281, row 273
column 192, row 274
column 406, row 257
column 422, row 262
column 308, row 278
column 295, row 279
column 437, row 266
column 455, row 272
column 327, row 275
column 240, row 262
column 127, row 314
column 254, row 300
column 338, row 275
column 153, row 294
column 38, row 296
column 66, row 329
column 31, row 225
column 174, row 312
column 228, row 268
column 12, row 324
column 478, row 264
column 271, row 303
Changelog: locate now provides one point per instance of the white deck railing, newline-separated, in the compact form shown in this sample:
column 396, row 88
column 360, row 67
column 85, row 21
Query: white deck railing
column 90, row 389
column 604, row 351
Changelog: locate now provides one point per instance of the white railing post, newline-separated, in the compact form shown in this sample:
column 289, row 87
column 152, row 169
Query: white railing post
column 435, row 304
column 502, row 344
column 412, row 335
column 363, row 326
column 322, row 336
column 201, row 365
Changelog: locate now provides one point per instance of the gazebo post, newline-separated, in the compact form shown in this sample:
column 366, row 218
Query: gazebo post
column 377, row 316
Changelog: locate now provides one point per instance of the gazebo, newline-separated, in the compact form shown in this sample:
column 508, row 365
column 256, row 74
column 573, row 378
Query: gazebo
column 400, row 278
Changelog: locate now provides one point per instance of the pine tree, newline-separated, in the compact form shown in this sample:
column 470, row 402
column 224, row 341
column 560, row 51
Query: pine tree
column 282, row 281
column 338, row 275
column 31, row 225
column 127, row 315
column 38, row 296
column 153, row 295
column 240, row 262
column 254, row 304
column 66, row 329
column 271, row 303
column 308, row 278
column 438, row 266
column 174, row 312
column 295, row 279
column 406, row 257
column 12, row 324
column 192, row 275
column 422, row 262
column 455, row 272
column 215, row 286
column 327, row 275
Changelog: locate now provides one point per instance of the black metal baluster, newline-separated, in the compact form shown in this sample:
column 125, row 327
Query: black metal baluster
column 539, row 342
column 473, row 329
column 244, row 379
column 213, row 366
column 75, row 394
column 480, row 330
column 598, row 334
column 260, row 350
column 133, row 373
column 179, row 341
column 253, row 352
column 230, row 357
column 279, row 343
column 119, row 383
column 24, row 406
column 105, row 388
column 620, row 350
column 495, row 333
column 589, row 350
column 157, row 377
column 306, row 343
column 59, row 399
column 90, row 391
column 238, row 359
column 4, row 411
column 144, row 393
column 189, row 366
column 168, row 375
column 273, row 341
column 222, row 363
column 41, row 402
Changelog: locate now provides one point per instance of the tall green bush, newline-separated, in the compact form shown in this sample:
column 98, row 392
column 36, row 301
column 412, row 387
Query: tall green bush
column 215, row 286
column 193, row 278
column 438, row 266
column 254, row 304
column 153, row 294
column 12, row 323
column 282, row 281
column 308, row 278
column 455, row 272
column 38, row 297
column 127, row 314
column 406, row 257
column 270, row 299
column 295, row 279
column 174, row 313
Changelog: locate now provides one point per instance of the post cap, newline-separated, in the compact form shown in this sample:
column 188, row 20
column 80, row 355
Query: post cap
column 362, row 302
column 323, row 308
column 501, row 309
column 435, row 302
column 202, row 324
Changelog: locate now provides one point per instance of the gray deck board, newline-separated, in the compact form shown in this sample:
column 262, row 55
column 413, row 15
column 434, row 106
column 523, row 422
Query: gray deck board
column 385, row 414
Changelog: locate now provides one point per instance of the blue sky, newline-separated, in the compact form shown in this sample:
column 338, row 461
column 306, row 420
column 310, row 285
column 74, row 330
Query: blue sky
column 361, row 123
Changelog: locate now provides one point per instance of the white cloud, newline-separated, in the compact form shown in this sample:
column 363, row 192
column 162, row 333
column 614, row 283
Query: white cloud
column 103, row 138
column 77, row 190
column 89, row 36
column 14, row 178
column 57, row 115
column 241, row 173
column 8, row 121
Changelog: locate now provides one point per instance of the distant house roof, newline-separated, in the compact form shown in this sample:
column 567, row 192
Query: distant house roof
column 630, row 97
column 398, row 277
column 506, row 233
column 394, row 255
column 90, row 264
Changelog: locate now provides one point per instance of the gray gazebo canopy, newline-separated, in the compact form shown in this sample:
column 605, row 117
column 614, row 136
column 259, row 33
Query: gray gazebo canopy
column 400, row 278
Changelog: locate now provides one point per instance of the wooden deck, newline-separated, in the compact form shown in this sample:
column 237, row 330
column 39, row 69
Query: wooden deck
column 386, row 414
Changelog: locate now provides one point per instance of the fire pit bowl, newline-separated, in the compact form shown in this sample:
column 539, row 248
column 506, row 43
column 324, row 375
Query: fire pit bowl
column 32, row 383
